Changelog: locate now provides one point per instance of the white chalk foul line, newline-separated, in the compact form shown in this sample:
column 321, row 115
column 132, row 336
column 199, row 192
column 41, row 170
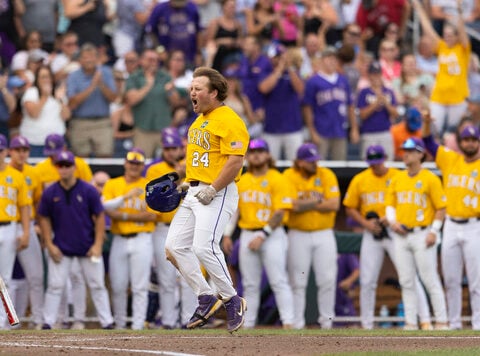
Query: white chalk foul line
column 93, row 348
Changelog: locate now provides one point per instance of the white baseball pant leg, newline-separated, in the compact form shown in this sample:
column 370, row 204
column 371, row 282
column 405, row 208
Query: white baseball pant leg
column 188, row 300
column 31, row 260
column 446, row 116
column 18, row 290
column 8, row 251
column 319, row 248
column 289, row 142
column 130, row 261
column 78, row 291
column 273, row 256
column 94, row 273
column 194, row 236
column 461, row 245
column 167, row 277
column 412, row 256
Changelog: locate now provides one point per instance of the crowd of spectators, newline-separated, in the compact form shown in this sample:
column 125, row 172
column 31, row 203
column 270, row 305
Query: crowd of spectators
column 111, row 74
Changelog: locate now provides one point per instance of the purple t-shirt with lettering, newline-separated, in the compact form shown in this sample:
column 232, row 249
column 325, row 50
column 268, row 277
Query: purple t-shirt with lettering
column 250, row 74
column 70, row 212
column 282, row 107
column 176, row 28
column 330, row 101
column 379, row 121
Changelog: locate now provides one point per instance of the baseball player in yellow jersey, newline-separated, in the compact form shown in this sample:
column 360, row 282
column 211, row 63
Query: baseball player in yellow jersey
column 311, row 238
column 31, row 258
column 263, row 205
column 46, row 169
column 48, row 174
column 131, row 251
column 15, row 207
column 172, row 154
column 415, row 211
column 365, row 203
column 217, row 142
column 460, row 243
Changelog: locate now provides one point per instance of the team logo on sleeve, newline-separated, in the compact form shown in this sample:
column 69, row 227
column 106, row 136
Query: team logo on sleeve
column 9, row 180
column 474, row 174
column 317, row 182
column 418, row 185
column 204, row 125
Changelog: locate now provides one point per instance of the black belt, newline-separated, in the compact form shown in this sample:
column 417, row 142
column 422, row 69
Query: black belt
column 194, row 183
column 129, row 236
column 415, row 229
column 464, row 221
column 5, row 223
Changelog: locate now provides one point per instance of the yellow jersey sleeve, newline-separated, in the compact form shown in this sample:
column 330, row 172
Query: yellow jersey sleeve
column 34, row 187
column 13, row 194
column 211, row 139
column 118, row 186
column 323, row 184
column 83, row 170
column 260, row 197
column 155, row 171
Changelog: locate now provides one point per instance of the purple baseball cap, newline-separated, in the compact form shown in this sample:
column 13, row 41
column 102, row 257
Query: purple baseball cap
column 3, row 142
column 258, row 144
column 19, row 142
column 65, row 157
column 376, row 154
column 413, row 144
column 308, row 152
column 375, row 68
column 136, row 155
column 470, row 131
column 171, row 138
column 54, row 144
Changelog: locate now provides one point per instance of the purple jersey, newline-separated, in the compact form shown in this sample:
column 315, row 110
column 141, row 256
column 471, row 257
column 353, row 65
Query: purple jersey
column 330, row 101
column 176, row 28
column 347, row 263
column 282, row 107
column 70, row 212
column 379, row 121
column 250, row 74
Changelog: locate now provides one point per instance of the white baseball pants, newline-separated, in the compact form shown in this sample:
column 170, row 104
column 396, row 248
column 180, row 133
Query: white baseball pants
column 8, row 251
column 317, row 249
column 273, row 256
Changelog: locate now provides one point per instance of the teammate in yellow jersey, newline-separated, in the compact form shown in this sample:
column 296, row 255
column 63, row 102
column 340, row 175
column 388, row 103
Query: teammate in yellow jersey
column 131, row 251
column 460, row 244
column 265, row 200
column 217, row 142
column 311, row 238
column 172, row 155
column 15, row 205
column 365, row 203
column 30, row 258
column 46, row 170
column 415, row 211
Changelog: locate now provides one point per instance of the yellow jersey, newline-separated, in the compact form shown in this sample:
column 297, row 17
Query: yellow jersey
column 34, row 187
column 324, row 184
column 116, row 187
column 366, row 191
column 211, row 139
column 48, row 173
column 260, row 196
column 13, row 194
column 451, row 84
column 417, row 198
column 155, row 171
column 461, row 181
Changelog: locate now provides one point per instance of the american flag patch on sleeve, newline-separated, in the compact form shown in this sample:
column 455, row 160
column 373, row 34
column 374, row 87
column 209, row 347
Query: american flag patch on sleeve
column 236, row 144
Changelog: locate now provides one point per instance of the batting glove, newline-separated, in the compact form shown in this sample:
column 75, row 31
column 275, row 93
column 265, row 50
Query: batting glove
column 182, row 189
column 206, row 195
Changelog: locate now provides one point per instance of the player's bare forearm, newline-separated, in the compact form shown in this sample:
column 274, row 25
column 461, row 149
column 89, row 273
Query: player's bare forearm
column 440, row 214
column 99, row 229
column 357, row 216
column 25, row 221
column 276, row 218
column 328, row 205
column 46, row 229
column 228, row 173
column 301, row 205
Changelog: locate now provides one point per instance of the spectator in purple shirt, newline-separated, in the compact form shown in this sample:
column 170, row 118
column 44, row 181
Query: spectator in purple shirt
column 282, row 90
column 175, row 24
column 72, row 221
column 377, row 109
column 328, row 109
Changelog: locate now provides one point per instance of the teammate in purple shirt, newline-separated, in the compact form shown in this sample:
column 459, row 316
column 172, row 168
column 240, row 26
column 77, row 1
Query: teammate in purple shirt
column 72, row 221
column 176, row 26
column 347, row 277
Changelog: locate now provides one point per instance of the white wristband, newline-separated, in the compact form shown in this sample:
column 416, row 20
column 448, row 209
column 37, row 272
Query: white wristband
column 436, row 226
column 390, row 214
column 267, row 230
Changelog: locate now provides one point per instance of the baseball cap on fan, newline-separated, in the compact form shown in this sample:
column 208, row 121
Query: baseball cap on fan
column 54, row 144
column 19, row 142
column 413, row 118
column 171, row 138
column 376, row 154
column 308, row 152
column 470, row 131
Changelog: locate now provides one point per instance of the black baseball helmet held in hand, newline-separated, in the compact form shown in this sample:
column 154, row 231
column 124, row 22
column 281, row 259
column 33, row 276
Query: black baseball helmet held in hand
column 161, row 193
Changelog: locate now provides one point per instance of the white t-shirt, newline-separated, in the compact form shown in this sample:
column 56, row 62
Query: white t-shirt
column 49, row 121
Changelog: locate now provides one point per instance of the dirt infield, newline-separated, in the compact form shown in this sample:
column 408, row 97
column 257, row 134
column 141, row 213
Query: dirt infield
column 219, row 342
